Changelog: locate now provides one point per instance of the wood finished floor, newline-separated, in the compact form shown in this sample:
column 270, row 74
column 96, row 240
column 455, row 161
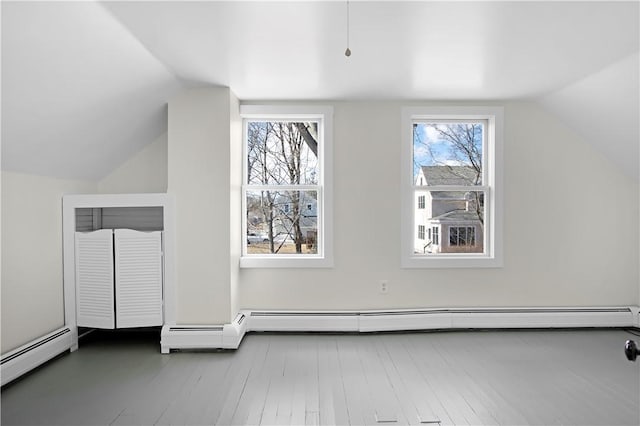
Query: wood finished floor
column 449, row 378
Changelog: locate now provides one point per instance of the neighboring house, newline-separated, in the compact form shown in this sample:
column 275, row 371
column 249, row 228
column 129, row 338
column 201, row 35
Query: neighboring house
column 283, row 215
column 448, row 221
column 308, row 212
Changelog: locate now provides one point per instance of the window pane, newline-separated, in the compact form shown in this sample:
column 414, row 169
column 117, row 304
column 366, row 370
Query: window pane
column 282, row 153
column 448, row 153
column 456, row 221
column 282, row 222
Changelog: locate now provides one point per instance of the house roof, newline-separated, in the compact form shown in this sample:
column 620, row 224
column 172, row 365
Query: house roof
column 457, row 216
column 449, row 175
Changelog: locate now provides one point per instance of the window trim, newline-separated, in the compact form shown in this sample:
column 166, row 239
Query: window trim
column 493, row 165
column 324, row 114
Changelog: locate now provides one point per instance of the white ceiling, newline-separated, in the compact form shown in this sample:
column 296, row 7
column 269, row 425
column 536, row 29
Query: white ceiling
column 84, row 84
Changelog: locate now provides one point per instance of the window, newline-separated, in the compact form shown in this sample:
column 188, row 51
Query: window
column 421, row 232
column 452, row 163
column 462, row 236
column 286, row 186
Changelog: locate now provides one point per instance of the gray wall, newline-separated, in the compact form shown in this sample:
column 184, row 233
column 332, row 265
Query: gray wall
column 31, row 286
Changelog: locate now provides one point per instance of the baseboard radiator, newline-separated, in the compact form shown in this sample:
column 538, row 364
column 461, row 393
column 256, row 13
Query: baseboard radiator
column 19, row 361
column 443, row 319
column 227, row 336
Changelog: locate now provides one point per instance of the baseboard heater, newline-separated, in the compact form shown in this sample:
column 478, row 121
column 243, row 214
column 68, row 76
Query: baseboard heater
column 227, row 336
column 437, row 319
column 19, row 361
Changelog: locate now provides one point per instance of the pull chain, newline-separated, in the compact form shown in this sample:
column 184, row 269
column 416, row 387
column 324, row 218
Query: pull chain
column 347, row 52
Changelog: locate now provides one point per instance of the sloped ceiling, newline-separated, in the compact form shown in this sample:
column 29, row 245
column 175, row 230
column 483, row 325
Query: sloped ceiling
column 85, row 85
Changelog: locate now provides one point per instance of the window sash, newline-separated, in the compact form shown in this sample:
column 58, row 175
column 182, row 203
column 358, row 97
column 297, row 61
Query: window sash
column 437, row 237
column 492, row 173
column 487, row 127
column 323, row 115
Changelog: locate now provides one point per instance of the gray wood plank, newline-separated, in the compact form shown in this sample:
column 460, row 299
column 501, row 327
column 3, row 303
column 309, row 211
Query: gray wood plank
column 251, row 399
column 358, row 408
column 382, row 394
column 405, row 379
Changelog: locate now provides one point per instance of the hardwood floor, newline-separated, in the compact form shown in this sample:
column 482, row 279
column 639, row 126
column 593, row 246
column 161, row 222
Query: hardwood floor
column 576, row 377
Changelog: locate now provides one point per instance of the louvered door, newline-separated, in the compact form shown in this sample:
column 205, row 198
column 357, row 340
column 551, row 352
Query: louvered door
column 138, row 278
column 94, row 279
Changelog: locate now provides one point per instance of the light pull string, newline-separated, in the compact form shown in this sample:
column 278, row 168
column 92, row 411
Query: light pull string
column 347, row 52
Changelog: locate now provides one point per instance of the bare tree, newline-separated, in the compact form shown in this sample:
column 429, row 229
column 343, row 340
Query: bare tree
column 291, row 143
column 465, row 145
column 309, row 132
column 257, row 160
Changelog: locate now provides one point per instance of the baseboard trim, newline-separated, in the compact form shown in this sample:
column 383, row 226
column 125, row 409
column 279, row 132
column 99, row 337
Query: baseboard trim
column 21, row 360
column 227, row 336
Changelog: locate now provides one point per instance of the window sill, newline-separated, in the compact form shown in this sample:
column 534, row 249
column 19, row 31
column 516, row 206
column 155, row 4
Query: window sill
column 285, row 262
column 451, row 261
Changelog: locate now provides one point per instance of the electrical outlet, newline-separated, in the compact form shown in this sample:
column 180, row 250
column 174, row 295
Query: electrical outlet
column 384, row 286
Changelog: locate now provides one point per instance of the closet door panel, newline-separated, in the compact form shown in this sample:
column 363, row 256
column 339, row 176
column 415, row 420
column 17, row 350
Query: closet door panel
column 138, row 258
column 94, row 279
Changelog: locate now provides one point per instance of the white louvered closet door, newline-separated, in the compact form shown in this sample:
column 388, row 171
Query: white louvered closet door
column 138, row 280
column 94, row 279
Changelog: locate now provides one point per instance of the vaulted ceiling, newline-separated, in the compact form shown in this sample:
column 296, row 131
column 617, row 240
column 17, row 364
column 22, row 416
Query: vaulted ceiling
column 85, row 84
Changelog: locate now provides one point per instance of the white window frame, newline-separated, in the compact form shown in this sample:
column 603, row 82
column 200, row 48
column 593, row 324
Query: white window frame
column 324, row 115
column 492, row 185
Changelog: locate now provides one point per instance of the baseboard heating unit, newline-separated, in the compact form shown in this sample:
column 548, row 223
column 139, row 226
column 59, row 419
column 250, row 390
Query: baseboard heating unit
column 443, row 319
column 227, row 336
column 27, row 357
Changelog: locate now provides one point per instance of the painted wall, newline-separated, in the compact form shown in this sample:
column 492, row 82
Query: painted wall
column 571, row 220
column 144, row 172
column 31, row 286
column 571, row 226
column 199, row 176
column 565, row 207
